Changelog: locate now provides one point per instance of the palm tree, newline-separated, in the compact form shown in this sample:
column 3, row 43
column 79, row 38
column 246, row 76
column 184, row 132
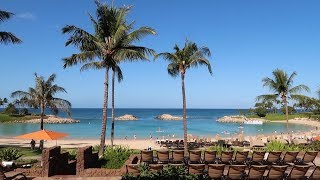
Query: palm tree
column 7, row 37
column 281, row 84
column 110, row 43
column 179, row 62
column 43, row 96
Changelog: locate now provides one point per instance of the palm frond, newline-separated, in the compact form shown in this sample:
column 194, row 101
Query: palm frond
column 299, row 89
column 8, row 37
column 5, row 15
column 97, row 65
column 267, row 97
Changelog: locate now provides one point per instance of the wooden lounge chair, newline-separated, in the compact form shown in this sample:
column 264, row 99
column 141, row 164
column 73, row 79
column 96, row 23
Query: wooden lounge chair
column 10, row 174
column 256, row 172
column 256, row 158
column 194, row 156
column 146, row 157
column 289, row 157
column 226, row 157
column 177, row 156
column 241, row 157
column 156, row 167
column 196, row 169
column 298, row 172
column 308, row 158
column 215, row 171
column 133, row 169
column 276, row 172
column 209, row 157
column 236, row 172
column 273, row 157
column 315, row 174
column 163, row 157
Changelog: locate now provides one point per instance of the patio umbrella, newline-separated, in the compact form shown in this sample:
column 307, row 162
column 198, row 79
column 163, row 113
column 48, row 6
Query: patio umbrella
column 43, row 135
column 317, row 138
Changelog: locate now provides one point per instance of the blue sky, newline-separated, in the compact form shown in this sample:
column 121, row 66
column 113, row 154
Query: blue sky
column 248, row 39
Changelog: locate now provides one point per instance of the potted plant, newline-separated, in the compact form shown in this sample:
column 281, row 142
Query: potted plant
column 8, row 156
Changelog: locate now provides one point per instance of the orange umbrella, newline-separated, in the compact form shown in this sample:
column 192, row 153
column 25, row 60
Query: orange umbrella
column 43, row 135
column 317, row 138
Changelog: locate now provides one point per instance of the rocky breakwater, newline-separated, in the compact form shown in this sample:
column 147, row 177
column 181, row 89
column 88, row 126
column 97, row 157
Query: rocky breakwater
column 127, row 117
column 168, row 117
column 50, row 119
column 237, row 119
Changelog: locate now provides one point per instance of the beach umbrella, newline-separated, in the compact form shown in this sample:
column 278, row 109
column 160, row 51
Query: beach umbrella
column 317, row 138
column 43, row 135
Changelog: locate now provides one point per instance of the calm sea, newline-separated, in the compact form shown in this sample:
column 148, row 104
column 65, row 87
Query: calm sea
column 201, row 122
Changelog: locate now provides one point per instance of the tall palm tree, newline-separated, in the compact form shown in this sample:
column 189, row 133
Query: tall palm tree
column 179, row 62
column 7, row 37
column 42, row 96
column 281, row 84
column 110, row 42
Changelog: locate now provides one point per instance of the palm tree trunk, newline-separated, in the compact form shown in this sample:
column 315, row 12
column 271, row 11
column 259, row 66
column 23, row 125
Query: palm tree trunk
column 184, row 109
column 104, row 113
column 112, row 110
column 287, row 112
column 41, row 125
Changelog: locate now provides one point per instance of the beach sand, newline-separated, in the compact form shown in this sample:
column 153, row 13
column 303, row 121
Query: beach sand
column 144, row 143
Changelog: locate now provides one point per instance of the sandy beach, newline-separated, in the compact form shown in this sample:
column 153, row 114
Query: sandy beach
column 144, row 143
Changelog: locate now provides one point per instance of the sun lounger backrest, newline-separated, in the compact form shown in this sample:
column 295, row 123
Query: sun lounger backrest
column 241, row 156
column 290, row 156
column 276, row 172
column 256, row 172
column 258, row 156
column 196, row 169
column 236, row 171
column 163, row 156
column 2, row 176
column 195, row 156
column 316, row 173
column 178, row 156
column 226, row 156
column 146, row 156
column 298, row 172
column 274, row 156
column 215, row 171
column 210, row 156
column 309, row 156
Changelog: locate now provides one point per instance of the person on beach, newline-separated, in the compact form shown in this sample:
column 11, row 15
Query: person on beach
column 150, row 136
column 33, row 144
column 134, row 136
column 126, row 138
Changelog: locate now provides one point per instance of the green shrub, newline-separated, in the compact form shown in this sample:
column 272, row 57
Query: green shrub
column 9, row 154
column 291, row 110
column 316, row 117
column 278, row 146
column 218, row 148
column 261, row 111
column 24, row 111
column 11, row 109
column 307, row 114
column 115, row 157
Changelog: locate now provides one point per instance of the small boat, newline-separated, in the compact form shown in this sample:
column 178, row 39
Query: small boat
column 159, row 130
column 253, row 122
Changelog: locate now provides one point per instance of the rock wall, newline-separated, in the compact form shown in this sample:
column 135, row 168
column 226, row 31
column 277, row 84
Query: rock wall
column 168, row 117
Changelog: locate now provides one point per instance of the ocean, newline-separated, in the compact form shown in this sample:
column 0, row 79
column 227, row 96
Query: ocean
column 201, row 122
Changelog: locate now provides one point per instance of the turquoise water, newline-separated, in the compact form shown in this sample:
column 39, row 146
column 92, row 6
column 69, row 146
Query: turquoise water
column 201, row 122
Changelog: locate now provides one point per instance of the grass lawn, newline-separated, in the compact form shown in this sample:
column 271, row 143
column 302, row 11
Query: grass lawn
column 26, row 151
column 8, row 118
column 278, row 117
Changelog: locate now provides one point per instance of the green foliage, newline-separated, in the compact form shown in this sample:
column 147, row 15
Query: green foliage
column 278, row 146
column 261, row 111
column 9, row 154
column 291, row 110
column 115, row 157
column 169, row 172
column 24, row 111
column 11, row 109
column 316, row 117
column 218, row 148
column 9, row 118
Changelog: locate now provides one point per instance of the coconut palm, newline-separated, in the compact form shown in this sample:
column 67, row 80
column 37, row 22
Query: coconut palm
column 7, row 37
column 281, row 84
column 179, row 62
column 111, row 42
column 42, row 96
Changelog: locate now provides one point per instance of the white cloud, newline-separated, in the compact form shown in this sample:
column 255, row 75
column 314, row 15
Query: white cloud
column 26, row 15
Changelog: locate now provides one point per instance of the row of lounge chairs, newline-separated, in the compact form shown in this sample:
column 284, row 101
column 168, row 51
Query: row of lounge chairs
column 229, row 157
column 222, row 171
